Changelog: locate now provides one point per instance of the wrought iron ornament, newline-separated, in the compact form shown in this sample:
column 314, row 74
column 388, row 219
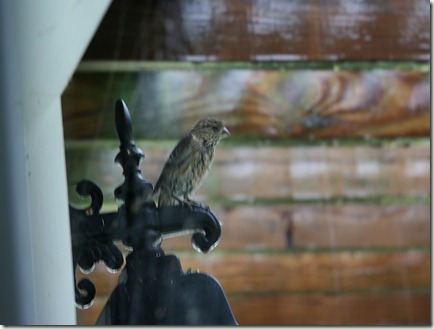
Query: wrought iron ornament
column 152, row 288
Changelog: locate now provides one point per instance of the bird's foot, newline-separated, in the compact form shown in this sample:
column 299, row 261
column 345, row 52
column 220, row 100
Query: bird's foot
column 185, row 204
column 192, row 203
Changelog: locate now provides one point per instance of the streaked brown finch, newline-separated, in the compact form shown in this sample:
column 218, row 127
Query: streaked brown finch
column 189, row 163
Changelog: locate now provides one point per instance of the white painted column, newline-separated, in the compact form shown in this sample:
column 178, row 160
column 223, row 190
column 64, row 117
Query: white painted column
column 41, row 43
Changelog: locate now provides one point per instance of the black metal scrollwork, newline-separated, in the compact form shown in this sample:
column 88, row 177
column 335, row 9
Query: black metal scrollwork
column 91, row 240
column 138, row 223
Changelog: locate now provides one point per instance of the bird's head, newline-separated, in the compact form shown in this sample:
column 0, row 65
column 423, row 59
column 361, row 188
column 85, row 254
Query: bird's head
column 210, row 131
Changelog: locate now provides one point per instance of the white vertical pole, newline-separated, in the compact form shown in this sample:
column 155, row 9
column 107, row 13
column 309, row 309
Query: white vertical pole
column 16, row 280
column 41, row 43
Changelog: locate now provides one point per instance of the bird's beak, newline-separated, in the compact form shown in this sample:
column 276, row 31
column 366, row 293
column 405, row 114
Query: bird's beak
column 226, row 132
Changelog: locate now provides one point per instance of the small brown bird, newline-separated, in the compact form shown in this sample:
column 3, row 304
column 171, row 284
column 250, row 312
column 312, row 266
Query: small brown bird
column 189, row 163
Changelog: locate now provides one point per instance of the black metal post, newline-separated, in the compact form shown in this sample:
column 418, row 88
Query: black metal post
column 152, row 288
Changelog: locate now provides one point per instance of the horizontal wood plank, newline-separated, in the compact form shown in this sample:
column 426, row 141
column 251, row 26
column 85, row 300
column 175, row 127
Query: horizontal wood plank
column 306, row 272
column 399, row 309
column 318, row 227
column 307, row 288
column 372, row 309
column 251, row 173
column 224, row 30
column 253, row 104
column 338, row 273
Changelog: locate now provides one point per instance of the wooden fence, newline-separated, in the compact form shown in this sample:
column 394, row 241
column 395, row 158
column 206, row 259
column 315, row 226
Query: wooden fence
column 323, row 188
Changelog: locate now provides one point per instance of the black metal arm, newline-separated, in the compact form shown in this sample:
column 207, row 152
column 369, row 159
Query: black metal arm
column 153, row 289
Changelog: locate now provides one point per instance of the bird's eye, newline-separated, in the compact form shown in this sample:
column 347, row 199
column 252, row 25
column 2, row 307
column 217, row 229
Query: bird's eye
column 216, row 129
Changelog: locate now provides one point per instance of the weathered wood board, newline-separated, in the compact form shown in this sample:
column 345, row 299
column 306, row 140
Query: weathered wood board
column 303, row 272
column 249, row 174
column 312, row 282
column 369, row 309
column 308, row 272
column 253, row 103
column 365, row 309
column 318, row 227
column 278, row 30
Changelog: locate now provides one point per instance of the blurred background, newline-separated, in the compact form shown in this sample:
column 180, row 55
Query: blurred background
column 322, row 189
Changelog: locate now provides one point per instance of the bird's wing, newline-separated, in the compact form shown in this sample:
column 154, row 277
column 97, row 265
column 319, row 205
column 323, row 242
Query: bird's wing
column 179, row 160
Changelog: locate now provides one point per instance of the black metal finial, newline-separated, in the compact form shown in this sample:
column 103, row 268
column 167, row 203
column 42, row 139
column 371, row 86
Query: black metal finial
column 136, row 192
column 123, row 123
column 129, row 157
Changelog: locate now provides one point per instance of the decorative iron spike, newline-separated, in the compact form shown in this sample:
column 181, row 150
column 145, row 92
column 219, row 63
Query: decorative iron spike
column 123, row 124
column 135, row 188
